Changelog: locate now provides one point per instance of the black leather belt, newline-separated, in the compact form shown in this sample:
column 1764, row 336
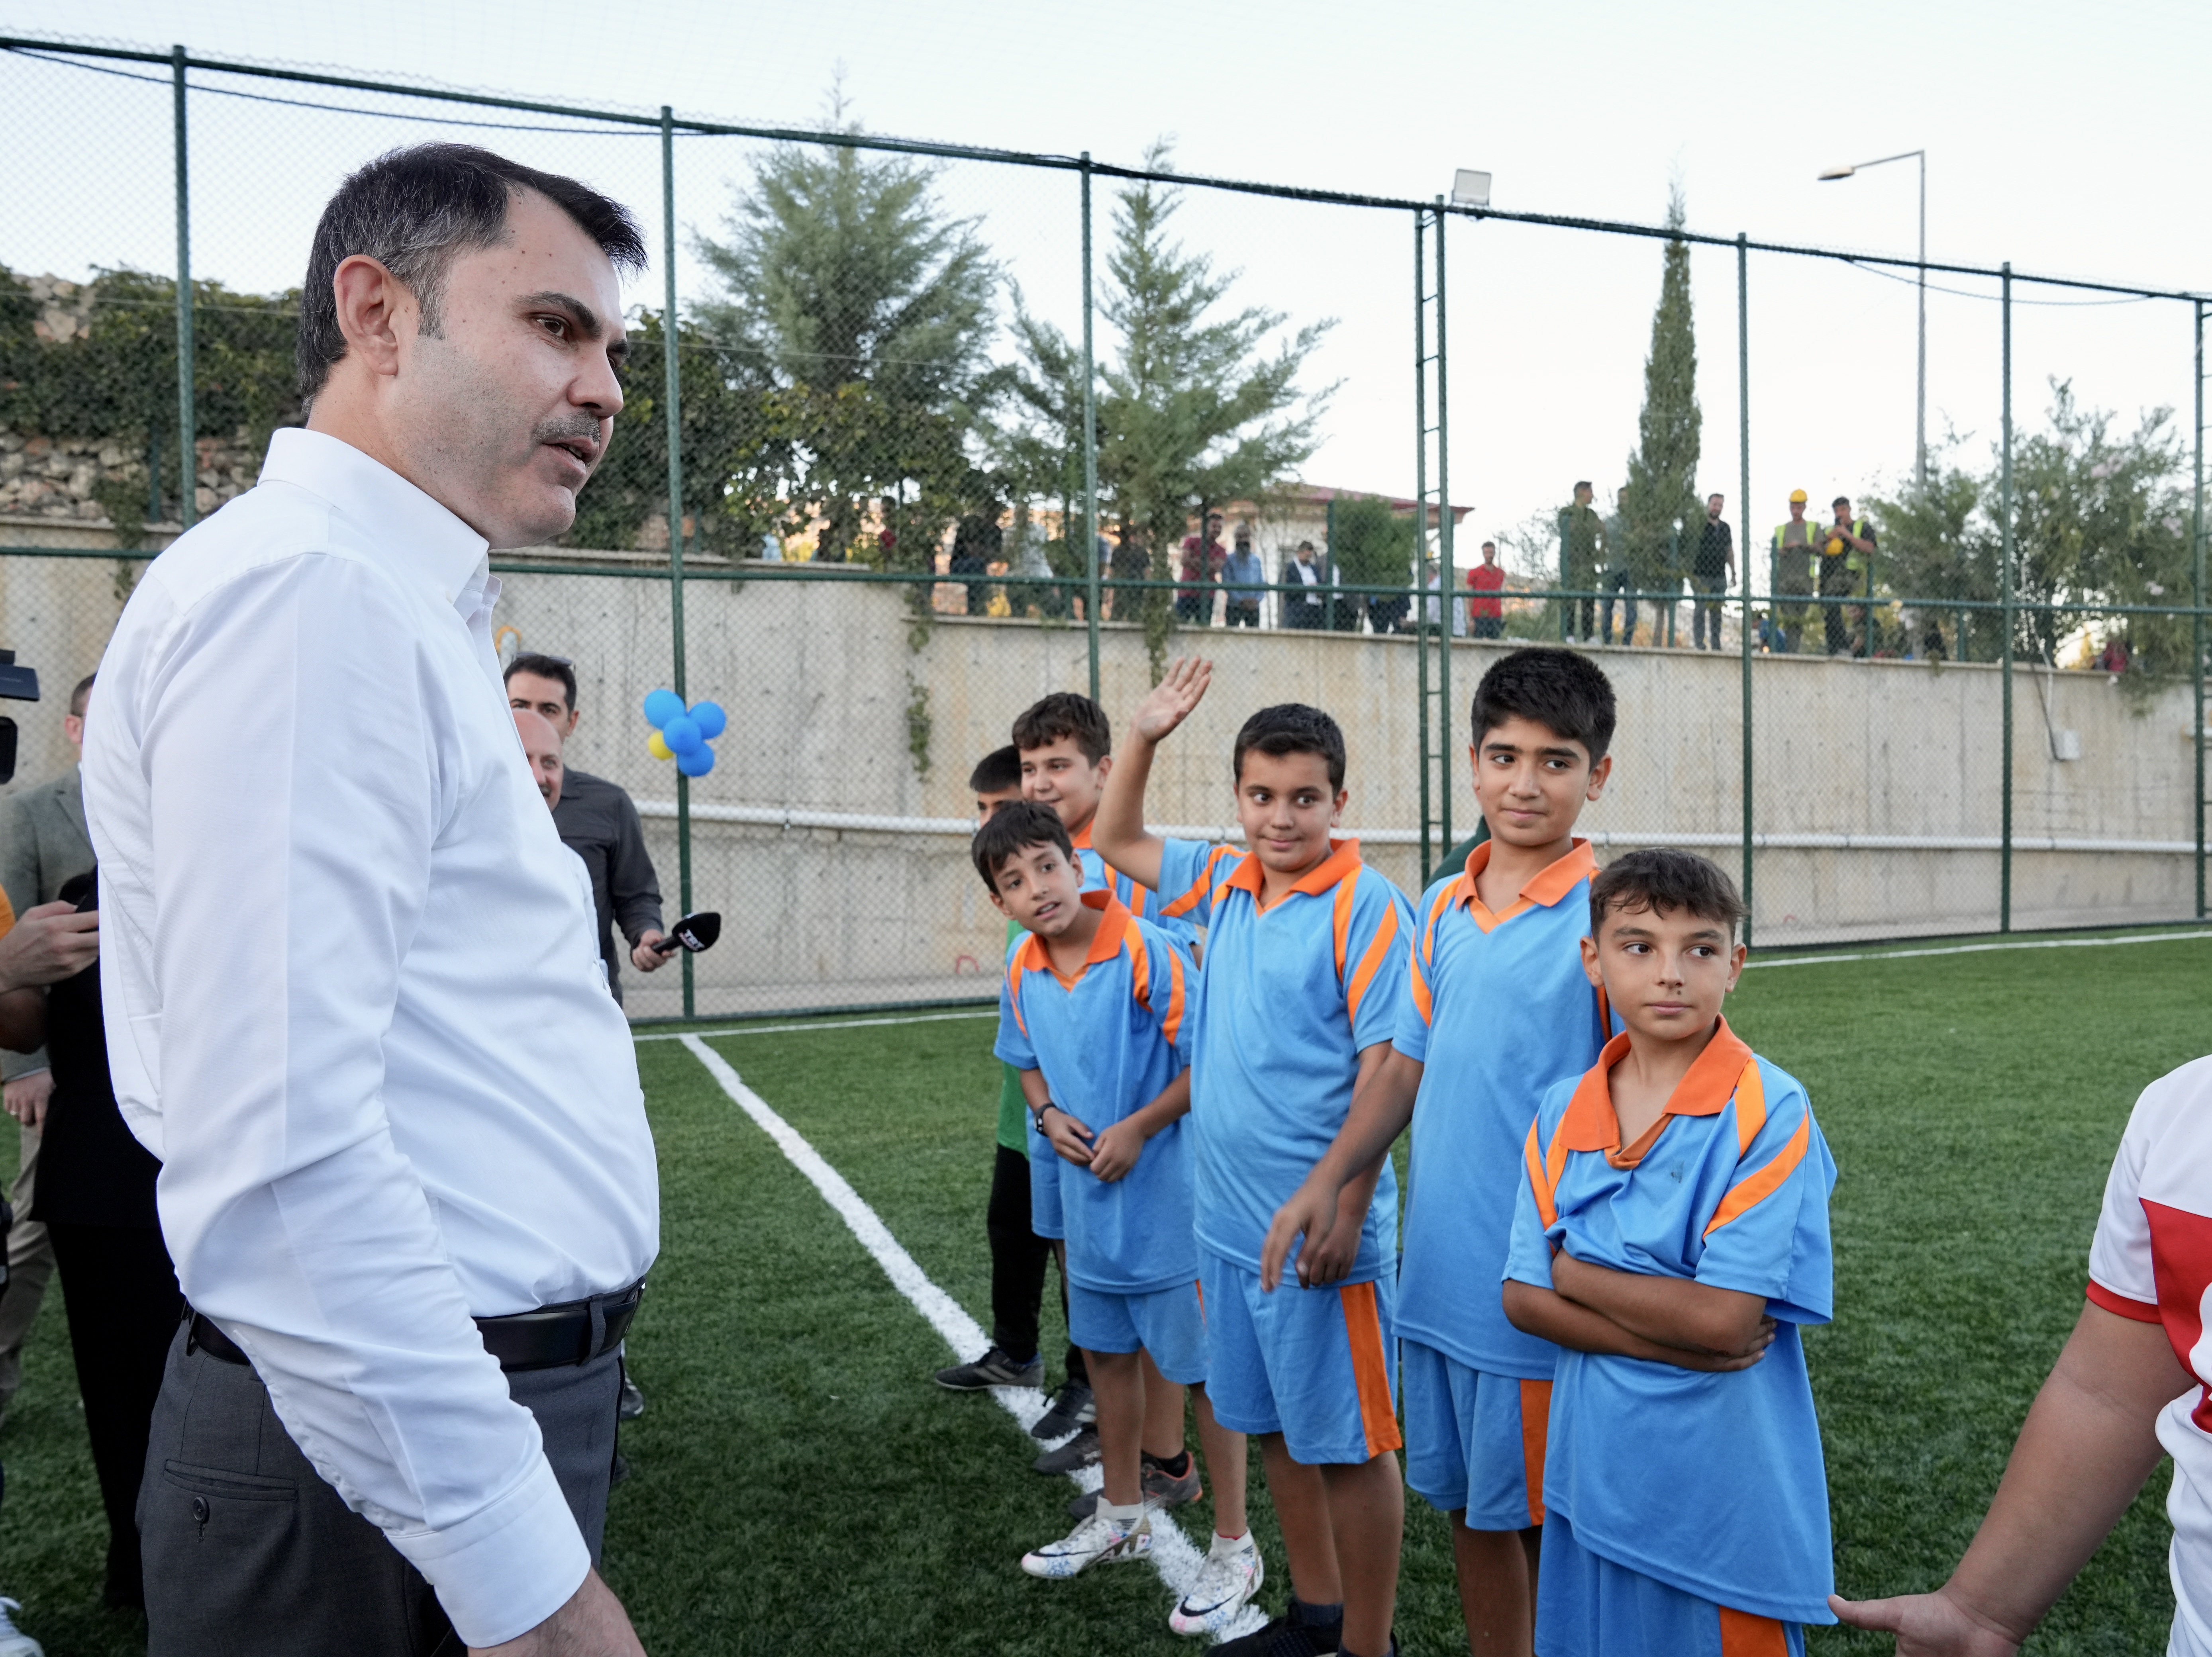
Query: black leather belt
column 575, row 1331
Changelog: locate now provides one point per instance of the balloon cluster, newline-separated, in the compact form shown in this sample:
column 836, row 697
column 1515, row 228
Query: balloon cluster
column 682, row 733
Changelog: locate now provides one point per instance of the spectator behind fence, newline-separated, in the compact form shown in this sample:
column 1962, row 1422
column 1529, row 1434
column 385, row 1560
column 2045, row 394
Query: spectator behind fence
column 1581, row 536
column 1302, row 609
column 1488, row 614
column 1131, row 562
column 977, row 542
column 1845, row 553
column 1712, row 567
column 1431, row 611
column 1242, row 580
column 1618, row 574
column 407, row 1177
column 45, row 846
column 1202, row 565
column 599, row 822
column 1793, row 573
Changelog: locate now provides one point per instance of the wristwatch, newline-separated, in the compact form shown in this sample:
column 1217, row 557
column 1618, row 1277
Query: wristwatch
column 1037, row 1116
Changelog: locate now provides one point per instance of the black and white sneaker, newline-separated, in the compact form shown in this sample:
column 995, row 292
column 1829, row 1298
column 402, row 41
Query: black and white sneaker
column 1072, row 1407
column 1078, row 1452
column 993, row 1369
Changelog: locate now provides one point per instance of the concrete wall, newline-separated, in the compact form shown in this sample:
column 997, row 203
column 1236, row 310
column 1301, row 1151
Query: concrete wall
column 819, row 676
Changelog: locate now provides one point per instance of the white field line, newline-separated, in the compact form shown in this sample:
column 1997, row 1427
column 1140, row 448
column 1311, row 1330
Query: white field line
column 1172, row 1555
column 1977, row 948
column 819, row 1024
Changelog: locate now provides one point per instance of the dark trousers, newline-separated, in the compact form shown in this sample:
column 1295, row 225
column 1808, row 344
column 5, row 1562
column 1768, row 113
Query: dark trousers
column 1487, row 627
column 1581, row 613
column 250, row 1554
column 123, row 1301
column 1612, row 581
column 1243, row 612
column 1019, row 1257
column 1194, row 608
column 1707, row 610
column 1835, row 585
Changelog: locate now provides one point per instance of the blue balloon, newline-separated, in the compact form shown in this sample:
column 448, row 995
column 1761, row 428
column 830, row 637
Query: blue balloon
column 697, row 763
column 682, row 733
column 710, row 718
column 662, row 705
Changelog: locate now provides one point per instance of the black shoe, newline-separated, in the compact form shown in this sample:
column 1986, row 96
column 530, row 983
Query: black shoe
column 1078, row 1452
column 1072, row 1407
column 619, row 1473
column 633, row 1401
column 993, row 1369
column 1284, row 1638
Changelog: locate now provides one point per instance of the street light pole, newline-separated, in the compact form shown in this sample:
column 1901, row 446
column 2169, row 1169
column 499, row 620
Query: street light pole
column 1920, row 411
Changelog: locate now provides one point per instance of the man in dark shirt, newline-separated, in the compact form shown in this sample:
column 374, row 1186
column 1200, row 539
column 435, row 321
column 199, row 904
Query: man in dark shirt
column 1712, row 567
column 597, row 822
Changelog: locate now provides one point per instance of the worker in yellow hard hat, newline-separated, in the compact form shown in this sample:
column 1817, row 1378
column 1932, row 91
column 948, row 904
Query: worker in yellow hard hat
column 1792, row 575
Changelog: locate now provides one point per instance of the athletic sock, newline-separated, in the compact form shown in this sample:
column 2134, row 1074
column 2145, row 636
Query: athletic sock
column 1305, row 1616
column 1125, row 1517
column 1174, row 1466
column 1231, row 1544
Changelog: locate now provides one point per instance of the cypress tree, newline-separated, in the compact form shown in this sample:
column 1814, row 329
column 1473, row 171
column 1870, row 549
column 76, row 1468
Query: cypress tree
column 1662, row 473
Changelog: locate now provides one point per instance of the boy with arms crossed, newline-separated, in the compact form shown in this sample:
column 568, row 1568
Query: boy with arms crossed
column 1092, row 1016
column 1671, row 1234
column 1304, row 972
column 1017, row 1252
column 1498, row 1009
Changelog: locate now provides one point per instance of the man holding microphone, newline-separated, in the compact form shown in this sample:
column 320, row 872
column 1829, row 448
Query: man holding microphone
column 350, row 991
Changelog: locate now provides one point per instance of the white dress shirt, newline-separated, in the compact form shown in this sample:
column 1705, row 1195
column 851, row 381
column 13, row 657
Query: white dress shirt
column 355, row 1005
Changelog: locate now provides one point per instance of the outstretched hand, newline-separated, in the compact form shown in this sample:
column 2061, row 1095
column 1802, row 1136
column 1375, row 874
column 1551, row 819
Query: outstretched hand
column 1171, row 700
column 1926, row 1625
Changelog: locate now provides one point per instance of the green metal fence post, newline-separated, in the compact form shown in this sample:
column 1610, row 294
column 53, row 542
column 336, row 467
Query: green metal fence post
column 188, row 479
column 2004, row 832
column 1447, row 580
column 1429, row 853
column 1090, row 444
column 673, row 382
column 2196, row 626
column 1743, row 517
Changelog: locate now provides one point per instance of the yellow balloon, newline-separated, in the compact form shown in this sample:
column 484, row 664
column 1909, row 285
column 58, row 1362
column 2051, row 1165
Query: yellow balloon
column 658, row 748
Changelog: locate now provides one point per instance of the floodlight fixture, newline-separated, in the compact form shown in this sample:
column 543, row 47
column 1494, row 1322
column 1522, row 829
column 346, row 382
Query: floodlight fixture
column 1836, row 173
column 1470, row 188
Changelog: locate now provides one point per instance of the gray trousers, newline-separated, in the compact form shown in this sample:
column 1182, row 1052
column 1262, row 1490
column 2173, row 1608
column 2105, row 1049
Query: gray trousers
column 248, row 1553
column 30, row 1265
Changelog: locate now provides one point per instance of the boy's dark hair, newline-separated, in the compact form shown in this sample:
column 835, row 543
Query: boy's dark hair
column 1013, row 828
column 1293, row 728
column 557, row 668
column 1564, row 692
column 996, row 772
column 413, row 210
column 1064, row 713
column 1662, row 880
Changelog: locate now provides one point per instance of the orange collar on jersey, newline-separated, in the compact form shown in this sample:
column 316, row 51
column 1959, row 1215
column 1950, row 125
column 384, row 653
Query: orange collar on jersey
column 1592, row 1124
column 1113, row 918
column 1080, row 839
column 1342, row 861
column 1550, row 885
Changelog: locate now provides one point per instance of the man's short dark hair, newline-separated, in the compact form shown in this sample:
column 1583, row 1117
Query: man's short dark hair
column 82, row 695
column 413, row 210
column 1293, row 728
column 999, row 771
column 1013, row 828
column 1663, row 881
column 1840, row 501
column 545, row 667
column 1564, row 692
column 1065, row 713
column 1585, row 483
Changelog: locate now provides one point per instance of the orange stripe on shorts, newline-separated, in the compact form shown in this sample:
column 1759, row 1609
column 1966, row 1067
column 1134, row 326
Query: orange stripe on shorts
column 1743, row 1634
column 1370, row 1369
column 1535, row 1432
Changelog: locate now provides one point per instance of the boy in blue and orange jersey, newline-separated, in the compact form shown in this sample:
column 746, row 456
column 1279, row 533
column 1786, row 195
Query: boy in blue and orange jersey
column 1092, row 1014
column 1497, row 1008
column 1671, row 1236
column 1066, row 747
column 1304, row 972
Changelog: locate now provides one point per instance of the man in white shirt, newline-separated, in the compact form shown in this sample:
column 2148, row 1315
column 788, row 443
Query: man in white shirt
column 2135, row 1377
column 407, row 1179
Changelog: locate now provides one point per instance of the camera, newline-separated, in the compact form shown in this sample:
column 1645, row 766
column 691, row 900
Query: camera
column 17, row 684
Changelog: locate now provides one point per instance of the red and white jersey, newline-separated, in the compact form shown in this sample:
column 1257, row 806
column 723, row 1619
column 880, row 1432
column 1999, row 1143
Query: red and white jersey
column 2152, row 1260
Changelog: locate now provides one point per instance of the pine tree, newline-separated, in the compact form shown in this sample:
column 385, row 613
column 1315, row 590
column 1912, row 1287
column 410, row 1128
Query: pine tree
column 1662, row 473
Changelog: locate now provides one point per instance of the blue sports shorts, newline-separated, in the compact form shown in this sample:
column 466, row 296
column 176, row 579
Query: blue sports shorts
column 1169, row 1323
column 1319, row 1366
column 1588, row 1606
column 1475, row 1439
column 1046, row 1219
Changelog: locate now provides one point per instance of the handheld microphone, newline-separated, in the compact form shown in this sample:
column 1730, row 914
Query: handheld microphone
column 694, row 932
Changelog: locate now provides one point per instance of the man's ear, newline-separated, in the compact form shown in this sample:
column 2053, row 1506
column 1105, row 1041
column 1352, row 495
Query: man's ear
column 1336, row 811
column 1104, row 767
column 1590, row 964
column 999, row 903
column 1599, row 772
column 375, row 309
column 569, row 729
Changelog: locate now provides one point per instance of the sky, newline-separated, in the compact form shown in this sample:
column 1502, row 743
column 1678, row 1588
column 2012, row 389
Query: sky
column 2056, row 137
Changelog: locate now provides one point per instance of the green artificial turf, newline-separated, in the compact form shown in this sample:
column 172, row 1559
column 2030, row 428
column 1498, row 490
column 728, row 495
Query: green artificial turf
column 801, row 1486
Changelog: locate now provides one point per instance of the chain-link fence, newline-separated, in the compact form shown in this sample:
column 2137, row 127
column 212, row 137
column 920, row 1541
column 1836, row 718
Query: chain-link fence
column 948, row 429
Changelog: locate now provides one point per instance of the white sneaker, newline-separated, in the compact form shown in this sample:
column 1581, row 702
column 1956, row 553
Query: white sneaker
column 1230, row 1577
column 14, row 1642
column 1098, row 1539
